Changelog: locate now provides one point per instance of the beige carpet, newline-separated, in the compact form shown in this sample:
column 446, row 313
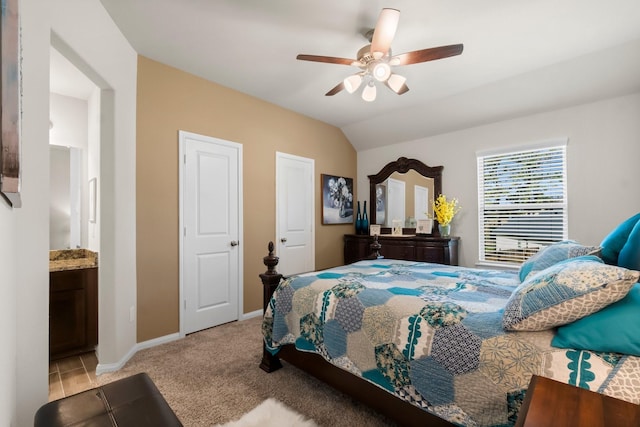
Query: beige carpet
column 212, row 377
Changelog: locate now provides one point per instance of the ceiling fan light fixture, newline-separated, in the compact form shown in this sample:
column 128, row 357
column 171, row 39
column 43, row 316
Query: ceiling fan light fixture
column 381, row 71
column 369, row 92
column 396, row 81
column 352, row 83
column 376, row 60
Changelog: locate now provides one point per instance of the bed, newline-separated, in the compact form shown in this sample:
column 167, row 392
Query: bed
column 439, row 345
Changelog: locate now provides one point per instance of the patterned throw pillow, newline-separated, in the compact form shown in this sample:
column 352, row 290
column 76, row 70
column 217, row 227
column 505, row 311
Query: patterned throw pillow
column 565, row 292
column 614, row 329
column 553, row 254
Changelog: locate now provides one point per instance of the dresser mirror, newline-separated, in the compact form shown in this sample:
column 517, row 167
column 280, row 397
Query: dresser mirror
column 403, row 190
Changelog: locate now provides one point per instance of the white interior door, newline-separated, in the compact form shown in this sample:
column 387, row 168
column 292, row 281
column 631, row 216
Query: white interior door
column 421, row 202
column 395, row 201
column 295, row 213
column 211, row 201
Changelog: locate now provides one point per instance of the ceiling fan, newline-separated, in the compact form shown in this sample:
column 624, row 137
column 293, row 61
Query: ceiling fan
column 375, row 60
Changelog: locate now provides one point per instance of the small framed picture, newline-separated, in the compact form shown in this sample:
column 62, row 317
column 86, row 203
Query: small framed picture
column 397, row 227
column 374, row 230
column 424, row 226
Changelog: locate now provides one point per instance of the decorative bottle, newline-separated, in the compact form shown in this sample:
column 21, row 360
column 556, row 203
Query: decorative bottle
column 358, row 221
column 364, row 226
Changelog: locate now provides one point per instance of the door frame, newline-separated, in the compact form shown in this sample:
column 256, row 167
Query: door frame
column 281, row 155
column 182, row 159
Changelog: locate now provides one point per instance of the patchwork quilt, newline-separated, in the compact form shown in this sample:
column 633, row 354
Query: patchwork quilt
column 432, row 335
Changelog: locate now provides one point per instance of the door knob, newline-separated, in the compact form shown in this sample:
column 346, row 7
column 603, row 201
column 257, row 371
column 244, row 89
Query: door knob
column 234, row 243
column 283, row 240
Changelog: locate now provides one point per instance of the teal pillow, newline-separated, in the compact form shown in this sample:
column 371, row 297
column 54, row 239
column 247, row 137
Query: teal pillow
column 553, row 254
column 615, row 241
column 613, row 329
column 630, row 253
column 565, row 292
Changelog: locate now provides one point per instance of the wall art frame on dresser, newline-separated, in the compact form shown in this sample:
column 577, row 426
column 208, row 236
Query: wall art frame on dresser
column 337, row 199
column 10, row 89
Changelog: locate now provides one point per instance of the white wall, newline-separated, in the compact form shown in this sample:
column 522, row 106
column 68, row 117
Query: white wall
column 86, row 35
column 69, row 118
column 31, row 235
column 93, row 164
column 87, row 29
column 602, row 164
column 8, row 299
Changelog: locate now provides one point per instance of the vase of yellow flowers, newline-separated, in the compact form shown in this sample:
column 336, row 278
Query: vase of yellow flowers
column 444, row 210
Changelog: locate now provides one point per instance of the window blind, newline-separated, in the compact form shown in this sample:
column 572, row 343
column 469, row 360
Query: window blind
column 522, row 202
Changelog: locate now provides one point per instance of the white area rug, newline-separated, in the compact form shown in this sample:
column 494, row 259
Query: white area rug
column 271, row 413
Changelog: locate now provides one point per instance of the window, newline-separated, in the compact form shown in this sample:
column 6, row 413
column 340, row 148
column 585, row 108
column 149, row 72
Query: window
column 522, row 201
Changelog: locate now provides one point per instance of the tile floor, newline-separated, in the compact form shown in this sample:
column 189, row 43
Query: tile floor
column 72, row 375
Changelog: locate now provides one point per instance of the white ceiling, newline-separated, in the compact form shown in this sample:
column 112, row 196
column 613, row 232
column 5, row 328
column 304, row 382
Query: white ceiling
column 520, row 56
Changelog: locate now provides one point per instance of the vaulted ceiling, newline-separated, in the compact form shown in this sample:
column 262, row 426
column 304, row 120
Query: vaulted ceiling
column 520, row 56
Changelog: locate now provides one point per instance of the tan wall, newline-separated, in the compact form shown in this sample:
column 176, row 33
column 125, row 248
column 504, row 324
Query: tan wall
column 170, row 100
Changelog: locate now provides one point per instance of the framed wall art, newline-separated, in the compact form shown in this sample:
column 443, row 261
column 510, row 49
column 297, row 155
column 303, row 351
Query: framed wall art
column 10, row 99
column 337, row 199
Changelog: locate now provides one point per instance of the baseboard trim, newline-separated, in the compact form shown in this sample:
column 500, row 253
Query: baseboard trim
column 104, row 368
column 251, row 315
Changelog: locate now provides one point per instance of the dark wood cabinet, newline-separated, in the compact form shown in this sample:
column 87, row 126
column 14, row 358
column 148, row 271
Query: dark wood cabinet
column 441, row 250
column 73, row 312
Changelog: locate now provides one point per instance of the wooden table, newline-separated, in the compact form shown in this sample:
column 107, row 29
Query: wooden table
column 550, row 403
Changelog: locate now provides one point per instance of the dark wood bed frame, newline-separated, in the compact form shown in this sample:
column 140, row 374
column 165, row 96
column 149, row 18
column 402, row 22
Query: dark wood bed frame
column 393, row 407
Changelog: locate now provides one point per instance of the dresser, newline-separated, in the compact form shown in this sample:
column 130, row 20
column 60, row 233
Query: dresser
column 441, row 250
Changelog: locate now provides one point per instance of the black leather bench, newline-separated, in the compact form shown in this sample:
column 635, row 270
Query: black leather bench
column 132, row 401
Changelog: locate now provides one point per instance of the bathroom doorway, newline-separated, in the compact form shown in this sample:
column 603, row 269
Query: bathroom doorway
column 74, row 137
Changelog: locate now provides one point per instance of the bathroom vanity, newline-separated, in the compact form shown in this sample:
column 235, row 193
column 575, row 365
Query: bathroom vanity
column 73, row 302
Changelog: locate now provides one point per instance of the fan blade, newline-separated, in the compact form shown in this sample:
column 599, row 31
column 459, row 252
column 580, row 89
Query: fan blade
column 384, row 32
column 327, row 59
column 425, row 55
column 338, row 88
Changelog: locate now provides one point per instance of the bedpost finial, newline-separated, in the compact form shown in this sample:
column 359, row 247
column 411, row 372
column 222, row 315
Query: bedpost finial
column 375, row 248
column 271, row 260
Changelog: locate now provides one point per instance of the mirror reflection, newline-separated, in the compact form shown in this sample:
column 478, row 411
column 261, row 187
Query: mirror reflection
column 405, row 197
column 65, row 182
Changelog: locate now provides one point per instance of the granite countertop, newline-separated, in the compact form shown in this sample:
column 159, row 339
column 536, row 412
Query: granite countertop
column 72, row 259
